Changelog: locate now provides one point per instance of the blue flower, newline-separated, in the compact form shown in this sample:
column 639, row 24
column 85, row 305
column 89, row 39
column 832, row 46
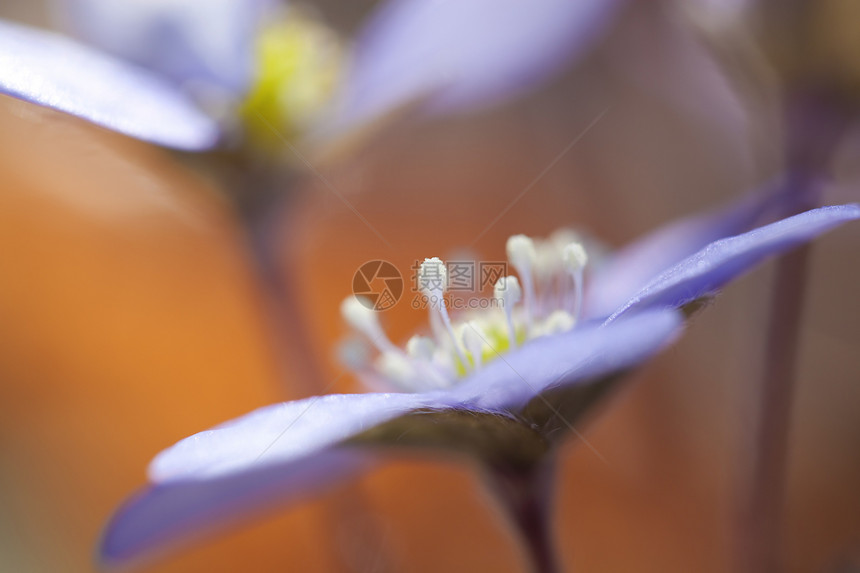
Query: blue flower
column 457, row 55
column 155, row 53
column 205, row 43
column 501, row 389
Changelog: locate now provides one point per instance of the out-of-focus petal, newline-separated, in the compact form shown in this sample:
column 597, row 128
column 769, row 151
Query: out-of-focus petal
column 624, row 273
column 55, row 72
column 711, row 268
column 210, row 42
column 164, row 516
column 282, row 452
column 584, row 354
column 675, row 64
column 459, row 54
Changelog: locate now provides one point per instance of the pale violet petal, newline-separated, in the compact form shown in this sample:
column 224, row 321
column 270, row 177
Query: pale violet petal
column 207, row 41
column 584, row 354
column 280, row 433
column 55, row 72
column 625, row 272
column 280, row 453
column 720, row 262
column 164, row 516
column 459, row 54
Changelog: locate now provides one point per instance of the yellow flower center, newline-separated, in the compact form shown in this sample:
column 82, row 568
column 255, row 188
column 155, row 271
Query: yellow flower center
column 299, row 66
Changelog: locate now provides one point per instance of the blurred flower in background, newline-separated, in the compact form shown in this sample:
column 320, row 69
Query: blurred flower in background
column 46, row 69
column 132, row 318
column 180, row 74
column 460, row 56
column 201, row 47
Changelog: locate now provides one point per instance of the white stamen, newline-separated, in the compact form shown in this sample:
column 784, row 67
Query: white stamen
column 523, row 256
column 422, row 350
column 559, row 239
column 547, row 263
column 356, row 314
column 508, row 292
column 354, row 353
column 557, row 322
column 564, row 236
column 474, row 340
column 398, row 368
column 544, row 267
column 521, row 251
column 437, row 327
column 433, row 280
column 575, row 258
column 421, row 347
column 549, row 257
column 366, row 321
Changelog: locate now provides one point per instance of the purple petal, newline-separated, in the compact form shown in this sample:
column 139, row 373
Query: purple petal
column 463, row 53
column 210, row 42
column 55, row 72
column 720, row 262
column 280, row 433
column 584, row 354
column 281, row 453
column 161, row 517
column 623, row 275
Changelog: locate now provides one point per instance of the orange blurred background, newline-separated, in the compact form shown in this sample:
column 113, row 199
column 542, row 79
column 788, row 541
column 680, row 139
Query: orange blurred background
column 129, row 319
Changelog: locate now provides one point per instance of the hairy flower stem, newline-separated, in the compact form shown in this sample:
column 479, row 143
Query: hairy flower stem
column 761, row 536
column 524, row 494
column 814, row 125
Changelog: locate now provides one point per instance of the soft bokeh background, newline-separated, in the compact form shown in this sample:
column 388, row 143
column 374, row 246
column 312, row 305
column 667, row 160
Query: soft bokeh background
column 128, row 320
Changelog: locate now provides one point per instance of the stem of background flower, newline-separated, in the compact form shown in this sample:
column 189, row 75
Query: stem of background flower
column 280, row 298
column 761, row 546
column 265, row 199
column 525, row 495
column 263, row 195
column 814, row 127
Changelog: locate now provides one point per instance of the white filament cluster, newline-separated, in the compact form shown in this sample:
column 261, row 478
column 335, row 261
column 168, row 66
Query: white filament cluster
column 543, row 300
